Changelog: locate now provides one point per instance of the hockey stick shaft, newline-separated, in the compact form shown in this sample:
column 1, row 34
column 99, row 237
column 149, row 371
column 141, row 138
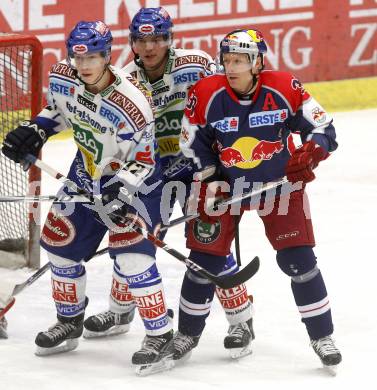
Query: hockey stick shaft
column 36, row 275
column 226, row 281
column 227, row 202
column 44, row 198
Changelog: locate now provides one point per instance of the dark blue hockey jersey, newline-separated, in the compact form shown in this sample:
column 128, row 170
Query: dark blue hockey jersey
column 252, row 139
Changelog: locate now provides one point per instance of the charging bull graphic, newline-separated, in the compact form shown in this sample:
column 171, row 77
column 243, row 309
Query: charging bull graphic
column 248, row 152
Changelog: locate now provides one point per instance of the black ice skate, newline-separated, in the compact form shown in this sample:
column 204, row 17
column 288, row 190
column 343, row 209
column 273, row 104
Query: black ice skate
column 239, row 339
column 328, row 353
column 153, row 356
column 3, row 328
column 61, row 337
column 180, row 348
column 108, row 323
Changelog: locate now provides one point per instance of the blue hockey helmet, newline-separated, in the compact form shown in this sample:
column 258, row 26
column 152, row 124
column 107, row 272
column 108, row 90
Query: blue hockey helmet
column 250, row 42
column 151, row 21
column 89, row 37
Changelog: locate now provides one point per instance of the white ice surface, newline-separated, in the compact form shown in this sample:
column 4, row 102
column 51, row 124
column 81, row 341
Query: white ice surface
column 343, row 205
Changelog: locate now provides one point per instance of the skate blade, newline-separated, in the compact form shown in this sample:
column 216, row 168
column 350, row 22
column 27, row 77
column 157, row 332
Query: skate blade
column 117, row 329
column 238, row 353
column 164, row 364
column 332, row 370
column 69, row 345
column 3, row 333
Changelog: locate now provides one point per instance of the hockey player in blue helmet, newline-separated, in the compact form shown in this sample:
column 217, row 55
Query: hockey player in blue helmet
column 151, row 30
column 89, row 51
column 168, row 73
column 113, row 127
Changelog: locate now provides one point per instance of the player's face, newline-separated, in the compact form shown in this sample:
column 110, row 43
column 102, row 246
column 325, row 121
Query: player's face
column 90, row 66
column 151, row 50
column 238, row 71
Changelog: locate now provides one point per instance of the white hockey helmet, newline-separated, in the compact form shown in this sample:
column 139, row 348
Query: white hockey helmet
column 250, row 42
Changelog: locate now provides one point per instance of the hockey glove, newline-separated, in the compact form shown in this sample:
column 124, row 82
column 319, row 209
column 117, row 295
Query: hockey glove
column 303, row 160
column 121, row 190
column 26, row 138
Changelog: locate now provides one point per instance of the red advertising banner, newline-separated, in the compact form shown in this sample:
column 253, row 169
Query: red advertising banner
column 314, row 39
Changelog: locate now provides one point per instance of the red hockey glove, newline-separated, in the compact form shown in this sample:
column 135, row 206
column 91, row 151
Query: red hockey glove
column 302, row 162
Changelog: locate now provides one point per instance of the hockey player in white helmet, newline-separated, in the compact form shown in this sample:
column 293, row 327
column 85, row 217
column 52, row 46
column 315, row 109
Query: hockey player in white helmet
column 266, row 107
column 168, row 73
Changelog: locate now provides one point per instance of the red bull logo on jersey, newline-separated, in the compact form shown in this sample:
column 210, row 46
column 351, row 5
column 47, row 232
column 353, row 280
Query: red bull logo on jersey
column 227, row 124
column 267, row 118
column 249, row 152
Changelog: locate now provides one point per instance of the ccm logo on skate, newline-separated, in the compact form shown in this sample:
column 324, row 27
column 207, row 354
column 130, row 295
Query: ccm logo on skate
column 287, row 235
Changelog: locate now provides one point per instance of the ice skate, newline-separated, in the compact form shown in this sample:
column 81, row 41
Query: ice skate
column 180, row 348
column 239, row 339
column 61, row 337
column 328, row 353
column 3, row 328
column 153, row 356
column 108, row 323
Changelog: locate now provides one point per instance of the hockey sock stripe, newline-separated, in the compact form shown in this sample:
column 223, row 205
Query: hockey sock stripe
column 314, row 309
column 196, row 309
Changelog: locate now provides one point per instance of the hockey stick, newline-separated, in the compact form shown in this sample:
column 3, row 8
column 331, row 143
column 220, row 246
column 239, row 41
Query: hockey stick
column 29, row 281
column 225, row 281
column 44, row 198
column 229, row 201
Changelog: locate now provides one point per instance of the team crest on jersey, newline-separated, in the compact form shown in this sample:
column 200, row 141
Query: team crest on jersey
column 206, row 233
column 58, row 230
column 296, row 85
column 126, row 236
column 318, row 115
column 227, row 124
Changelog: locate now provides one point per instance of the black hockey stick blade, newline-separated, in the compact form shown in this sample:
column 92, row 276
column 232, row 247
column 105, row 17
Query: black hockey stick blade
column 4, row 310
column 247, row 272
